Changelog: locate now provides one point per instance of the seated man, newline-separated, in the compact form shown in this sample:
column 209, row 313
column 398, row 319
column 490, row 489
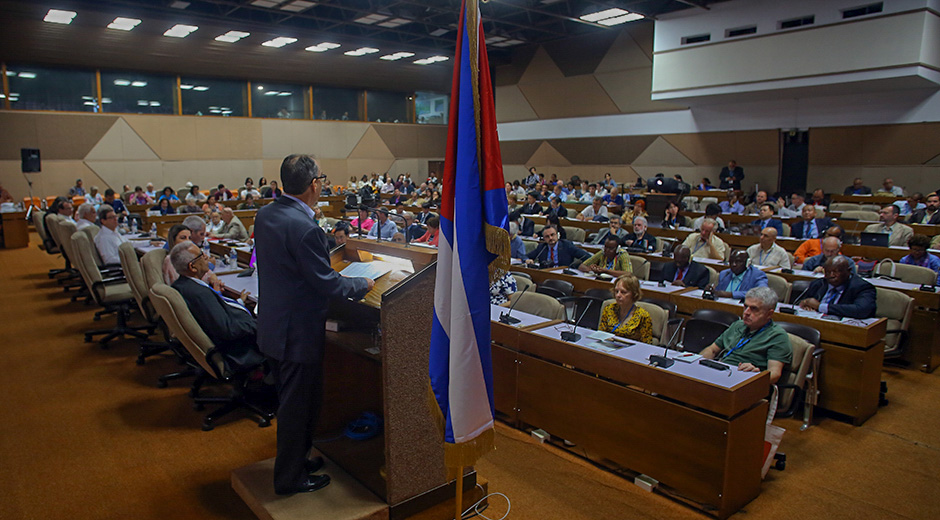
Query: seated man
column 810, row 226
column 409, row 228
column 555, row 208
column 384, row 228
column 913, row 203
column 596, row 209
column 108, row 240
column 115, row 202
column 711, row 212
column 740, row 278
column 554, row 252
column 841, row 293
column 639, row 239
column 531, row 207
column 85, row 216
column 765, row 218
column 857, row 188
column 767, row 252
column 610, row 261
column 887, row 186
column 249, row 202
column 706, row 244
column 754, row 207
column 820, row 199
column 930, row 214
column 831, row 248
column 732, row 205
column 615, row 201
column 898, row 234
column 613, row 228
column 919, row 255
column 684, row 272
column 228, row 323
column 339, row 235
column 754, row 342
column 232, row 228
column 813, row 247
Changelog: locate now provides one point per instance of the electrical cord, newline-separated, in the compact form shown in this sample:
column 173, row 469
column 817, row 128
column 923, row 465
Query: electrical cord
column 479, row 512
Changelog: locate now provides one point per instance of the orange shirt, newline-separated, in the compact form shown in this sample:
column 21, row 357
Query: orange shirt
column 808, row 249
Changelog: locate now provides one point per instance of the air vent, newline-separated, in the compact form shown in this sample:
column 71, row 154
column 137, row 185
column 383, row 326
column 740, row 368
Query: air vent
column 797, row 22
column 740, row 31
column 863, row 10
column 699, row 38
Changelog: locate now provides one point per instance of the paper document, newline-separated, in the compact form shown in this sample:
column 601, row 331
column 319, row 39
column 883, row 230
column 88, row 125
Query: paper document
column 371, row 270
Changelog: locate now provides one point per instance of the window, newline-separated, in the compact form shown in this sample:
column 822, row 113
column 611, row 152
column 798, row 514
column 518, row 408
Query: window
column 137, row 93
column 278, row 100
column 688, row 40
column 387, row 107
column 797, row 22
column 213, row 97
column 863, row 10
column 431, row 108
column 336, row 104
column 740, row 31
column 41, row 88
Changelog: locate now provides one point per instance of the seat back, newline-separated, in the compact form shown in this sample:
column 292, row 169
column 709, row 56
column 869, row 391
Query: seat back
column 171, row 306
column 152, row 266
column 92, row 232
column 566, row 287
column 780, row 285
column 712, row 276
column 40, row 228
column 660, row 317
column 724, row 317
column 538, row 304
column 907, row 273
column 668, row 306
column 700, row 333
column 522, row 282
column 843, row 206
column 62, row 229
column 691, row 203
column 530, row 245
column 786, row 229
column 641, row 267
column 135, row 278
column 897, row 308
column 705, row 201
column 604, row 294
column 795, row 374
column 870, row 207
column 84, row 260
column 550, row 291
column 585, row 310
column 858, row 214
column 575, row 234
column 798, row 289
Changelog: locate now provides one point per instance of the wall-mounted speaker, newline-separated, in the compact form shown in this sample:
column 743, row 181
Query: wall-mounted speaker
column 31, row 162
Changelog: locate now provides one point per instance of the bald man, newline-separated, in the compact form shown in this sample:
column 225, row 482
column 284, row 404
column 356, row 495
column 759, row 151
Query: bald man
column 840, row 292
column 232, row 228
column 831, row 248
column 768, row 252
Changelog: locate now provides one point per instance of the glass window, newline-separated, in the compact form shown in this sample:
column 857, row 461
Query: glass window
column 278, row 100
column 431, row 108
column 336, row 104
column 40, row 88
column 213, row 97
column 137, row 93
column 387, row 107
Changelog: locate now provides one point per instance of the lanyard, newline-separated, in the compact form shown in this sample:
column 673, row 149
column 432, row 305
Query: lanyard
column 610, row 264
column 746, row 339
column 625, row 318
column 760, row 256
column 698, row 246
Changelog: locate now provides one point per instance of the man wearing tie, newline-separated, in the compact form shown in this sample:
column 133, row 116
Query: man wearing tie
column 841, row 293
column 555, row 208
column 766, row 218
column 425, row 213
column 684, row 272
column 554, row 252
column 731, row 176
column 740, row 278
column 810, row 226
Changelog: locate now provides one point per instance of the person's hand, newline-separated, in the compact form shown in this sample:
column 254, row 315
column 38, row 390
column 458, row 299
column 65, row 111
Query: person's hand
column 747, row 367
column 819, row 270
column 724, row 294
column 529, row 261
column 678, row 283
column 243, row 295
column 780, row 202
column 371, row 283
column 628, row 243
column 214, row 281
column 596, row 269
column 810, row 304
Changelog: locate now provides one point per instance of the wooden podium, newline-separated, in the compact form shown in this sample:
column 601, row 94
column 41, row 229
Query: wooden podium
column 378, row 362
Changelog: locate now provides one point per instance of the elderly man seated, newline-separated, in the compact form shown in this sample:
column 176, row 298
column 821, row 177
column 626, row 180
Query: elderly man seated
column 812, row 247
column 767, row 252
column 683, row 272
column 639, row 239
column 810, row 226
column 227, row 322
column 232, row 228
column 831, row 248
column 613, row 228
column 85, row 216
column 706, row 243
column 754, row 343
column 384, row 228
column 840, row 292
column 554, row 252
column 898, row 234
column 740, row 278
column 108, row 240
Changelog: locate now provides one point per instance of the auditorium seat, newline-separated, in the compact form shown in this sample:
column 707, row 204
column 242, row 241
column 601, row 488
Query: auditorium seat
column 780, row 285
column 868, row 216
column 799, row 384
column 538, row 304
column 641, row 267
column 897, row 307
column 907, row 273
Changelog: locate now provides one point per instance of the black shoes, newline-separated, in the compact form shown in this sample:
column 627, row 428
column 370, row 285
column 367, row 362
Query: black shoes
column 313, row 465
column 312, row 483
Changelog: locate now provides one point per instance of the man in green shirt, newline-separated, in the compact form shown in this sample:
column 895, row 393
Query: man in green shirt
column 754, row 342
column 609, row 261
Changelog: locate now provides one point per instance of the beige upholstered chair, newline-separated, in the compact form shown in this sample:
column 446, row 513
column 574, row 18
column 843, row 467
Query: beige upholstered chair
column 173, row 309
column 660, row 319
column 538, row 304
column 522, row 282
column 641, row 267
column 691, row 203
column 843, row 206
column 868, row 216
column 141, row 291
column 786, row 229
column 780, row 285
column 712, row 275
column 907, row 273
column 800, row 379
column 152, row 266
column 705, row 201
column 897, row 307
column 575, row 234
column 870, row 207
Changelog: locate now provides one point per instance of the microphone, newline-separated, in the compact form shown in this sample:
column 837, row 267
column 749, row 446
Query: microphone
column 792, row 308
column 573, row 334
column 662, row 361
column 505, row 316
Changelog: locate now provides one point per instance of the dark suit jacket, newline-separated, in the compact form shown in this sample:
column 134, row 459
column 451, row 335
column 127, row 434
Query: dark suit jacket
column 567, row 253
column 421, row 218
column 232, row 330
column 774, row 223
column 851, row 190
column 531, row 209
column 561, row 211
column 295, row 282
column 858, row 299
column 918, row 215
column 647, row 242
column 822, row 224
column 725, row 173
column 528, row 228
column 695, row 276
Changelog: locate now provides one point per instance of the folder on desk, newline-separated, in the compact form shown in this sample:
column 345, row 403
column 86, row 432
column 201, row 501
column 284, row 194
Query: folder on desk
column 371, row 270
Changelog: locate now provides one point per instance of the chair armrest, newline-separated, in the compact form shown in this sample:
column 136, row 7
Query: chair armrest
column 794, row 403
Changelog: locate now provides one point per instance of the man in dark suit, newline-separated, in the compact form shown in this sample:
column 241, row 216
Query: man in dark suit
column 555, row 208
column 554, row 252
column 857, row 188
column 228, row 323
column 294, row 272
column 731, row 176
column 928, row 215
column 766, row 219
column 841, row 293
column 810, row 226
column 531, row 207
column 684, row 272
column 425, row 214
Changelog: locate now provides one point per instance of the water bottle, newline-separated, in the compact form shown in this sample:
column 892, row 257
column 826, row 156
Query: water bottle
column 205, row 251
column 122, row 225
column 134, row 226
column 153, row 230
column 233, row 258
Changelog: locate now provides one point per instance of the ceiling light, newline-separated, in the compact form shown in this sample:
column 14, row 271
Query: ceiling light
column 201, row 88
column 323, row 47
column 224, row 109
column 260, row 87
column 279, row 42
column 143, row 103
column 179, row 5
column 87, row 98
column 271, row 93
column 495, row 39
column 617, row 20
column 57, row 16
column 231, row 36
column 154, row 103
column 297, row 6
column 3, row 96
column 508, row 43
column 439, row 32
column 124, row 24
column 139, row 84
column 213, row 107
column 361, row 51
column 371, row 19
column 397, row 56
column 185, row 86
column 27, row 75
column 122, row 82
column 214, row 111
column 105, row 100
column 601, row 15
column 266, row 3
column 89, row 103
column 395, row 22
column 11, row 73
column 180, row 31
column 282, row 94
column 432, row 59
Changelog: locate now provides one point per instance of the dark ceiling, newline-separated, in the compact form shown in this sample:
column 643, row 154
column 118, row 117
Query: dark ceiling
column 423, row 27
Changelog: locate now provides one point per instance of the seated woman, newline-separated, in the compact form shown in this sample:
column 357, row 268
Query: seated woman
column 168, row 195
column 624, row 318
column 919, row 255
column 177, row 235
column 164, row 207
column 501, row 289
column 639, row 210
column 431, row 236
column 611, row 261
column 212, row 205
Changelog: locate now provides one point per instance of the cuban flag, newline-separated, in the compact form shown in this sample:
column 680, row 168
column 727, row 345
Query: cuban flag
column 472, row 251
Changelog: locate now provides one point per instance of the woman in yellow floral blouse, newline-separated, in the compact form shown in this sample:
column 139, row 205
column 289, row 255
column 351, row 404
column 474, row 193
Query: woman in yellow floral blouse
column 624, row 318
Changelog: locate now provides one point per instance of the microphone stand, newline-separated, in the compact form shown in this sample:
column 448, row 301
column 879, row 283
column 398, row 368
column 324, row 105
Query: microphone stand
column 573, row 334
column 505, row 317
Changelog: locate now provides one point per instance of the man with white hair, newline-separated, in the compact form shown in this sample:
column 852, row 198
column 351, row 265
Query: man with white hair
column 754, row 343
column 232, row 227
column 85, row 216
column 639, row 239
column 516, row 245
column 706, row 243
column 108, row 240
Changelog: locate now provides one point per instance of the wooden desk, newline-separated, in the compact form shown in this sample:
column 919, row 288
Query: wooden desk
column 165, row 222
column 850, row 374
column 15, row 231
column 701, row 438
column 866, row 199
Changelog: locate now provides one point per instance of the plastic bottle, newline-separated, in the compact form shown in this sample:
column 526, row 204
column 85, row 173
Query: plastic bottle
column 153, row 230
column 233, row 258
column 134, row 226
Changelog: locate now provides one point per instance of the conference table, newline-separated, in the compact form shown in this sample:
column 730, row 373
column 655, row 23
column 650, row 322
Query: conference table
column 696, row 430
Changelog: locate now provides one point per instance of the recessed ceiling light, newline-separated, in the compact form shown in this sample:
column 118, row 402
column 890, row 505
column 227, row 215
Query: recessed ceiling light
column 432, row 59
column 495, row 39
column 89, row 103
column 260, row 87
column 297, row 6
column 231, row 36
column 282, row 94
column 139, row 84
column 397, row 56
column 87, row 98
column 143, row 103
column 180, row 31
column 323, row 47
column 27, row 75
column 617, row 20
column 59, row 16
column 105, row 100
column 154, row 103
column 439, row 32
column 179, row 5
column 11, row 73
column 279, row 42
column 397, row 22
column 271, row 93
column 201, row 88
column 508, row 43
column 371, row 19
column 361, row 51
column 266, row 3
column 122, row 82
column 124, row 24
column 601, row 15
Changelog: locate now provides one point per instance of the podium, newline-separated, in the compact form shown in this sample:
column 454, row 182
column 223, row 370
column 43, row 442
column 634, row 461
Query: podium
column 377, row 361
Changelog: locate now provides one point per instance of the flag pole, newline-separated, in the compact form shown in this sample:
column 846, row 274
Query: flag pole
column 459, row 500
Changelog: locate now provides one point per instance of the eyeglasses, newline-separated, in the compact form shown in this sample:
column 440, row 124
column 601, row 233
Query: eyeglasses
column 193, row 261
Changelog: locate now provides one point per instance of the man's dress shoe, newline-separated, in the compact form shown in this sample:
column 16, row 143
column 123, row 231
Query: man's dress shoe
column 312, row 483
column 313, row 465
